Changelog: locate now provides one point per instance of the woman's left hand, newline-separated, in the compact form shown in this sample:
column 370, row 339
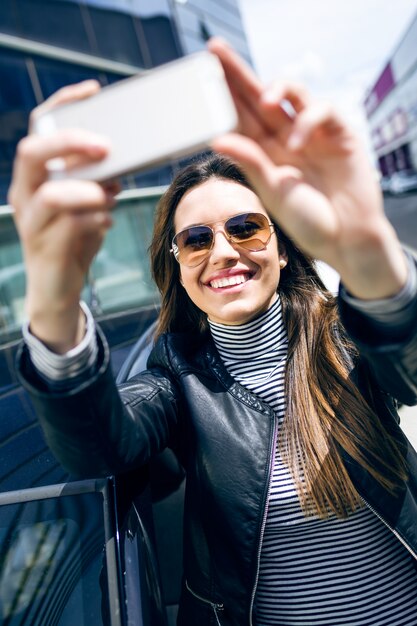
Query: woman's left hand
column 314, row 177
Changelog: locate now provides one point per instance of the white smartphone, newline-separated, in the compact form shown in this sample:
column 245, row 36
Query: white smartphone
column 166, row 113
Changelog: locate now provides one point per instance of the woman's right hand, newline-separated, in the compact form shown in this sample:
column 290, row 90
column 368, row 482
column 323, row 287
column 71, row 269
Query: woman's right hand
column 314, row 177
column 61, row 224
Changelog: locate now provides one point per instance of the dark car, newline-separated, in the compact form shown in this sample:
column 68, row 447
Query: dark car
column 92, row 552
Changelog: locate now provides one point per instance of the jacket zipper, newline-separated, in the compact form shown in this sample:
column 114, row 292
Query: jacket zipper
column 216, row 606
column 258, row 559
column 395, row 532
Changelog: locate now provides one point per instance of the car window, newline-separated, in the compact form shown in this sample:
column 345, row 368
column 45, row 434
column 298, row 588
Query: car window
column 54, row 566
column 120, row 276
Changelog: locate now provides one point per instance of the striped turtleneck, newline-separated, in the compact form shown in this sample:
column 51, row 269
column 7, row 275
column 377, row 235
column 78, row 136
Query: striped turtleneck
column 255, row 354
column 351, row 572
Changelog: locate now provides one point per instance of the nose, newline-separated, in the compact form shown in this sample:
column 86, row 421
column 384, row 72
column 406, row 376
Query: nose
column 223, row 249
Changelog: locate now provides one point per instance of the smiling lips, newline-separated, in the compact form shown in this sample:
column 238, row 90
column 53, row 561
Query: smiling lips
column 229, row 281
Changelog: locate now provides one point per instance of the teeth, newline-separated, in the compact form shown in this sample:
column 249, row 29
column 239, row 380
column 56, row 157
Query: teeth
column 229, row 281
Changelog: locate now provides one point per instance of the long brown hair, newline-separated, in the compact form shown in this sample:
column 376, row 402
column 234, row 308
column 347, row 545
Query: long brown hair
column 326, row 414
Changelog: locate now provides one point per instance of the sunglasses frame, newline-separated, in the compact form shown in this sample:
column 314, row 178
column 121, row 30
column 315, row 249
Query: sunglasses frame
column 175, row 250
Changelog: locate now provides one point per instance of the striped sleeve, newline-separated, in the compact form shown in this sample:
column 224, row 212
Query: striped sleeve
column 62, row 372
column 396, row 312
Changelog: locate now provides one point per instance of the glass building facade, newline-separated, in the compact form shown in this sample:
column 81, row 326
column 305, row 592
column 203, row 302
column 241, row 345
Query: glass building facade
column 45, row 44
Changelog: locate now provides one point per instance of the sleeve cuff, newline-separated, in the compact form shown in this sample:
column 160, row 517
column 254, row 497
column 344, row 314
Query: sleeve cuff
column 64, row 370
column 386, row 309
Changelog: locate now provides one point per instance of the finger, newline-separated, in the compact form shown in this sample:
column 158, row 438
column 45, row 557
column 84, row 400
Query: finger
column 280, row 103
column 69, row 93
column 73, row 234
column 249, row 123
column 318, row 121
column 95, row 223
column 62, row 198
column 74, row 238
column 294, row 95
column 258, row 114
column 68, row 196
column 255, row 162
column 65, row 166
column 33, row 153
column 238, row 73
column 245, row 87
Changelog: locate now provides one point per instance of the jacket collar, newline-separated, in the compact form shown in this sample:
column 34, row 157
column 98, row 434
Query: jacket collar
column 212, row 362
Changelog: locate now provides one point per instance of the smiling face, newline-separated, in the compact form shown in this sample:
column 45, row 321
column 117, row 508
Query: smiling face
column 233, row 285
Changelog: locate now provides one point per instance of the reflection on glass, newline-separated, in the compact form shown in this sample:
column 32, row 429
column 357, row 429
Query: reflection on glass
column 31, row 563
column 52, row 566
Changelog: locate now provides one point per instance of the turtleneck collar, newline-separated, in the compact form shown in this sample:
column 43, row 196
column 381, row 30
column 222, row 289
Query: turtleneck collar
column 262, row 336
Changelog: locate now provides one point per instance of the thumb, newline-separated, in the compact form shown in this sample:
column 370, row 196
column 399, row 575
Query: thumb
column 258, row 167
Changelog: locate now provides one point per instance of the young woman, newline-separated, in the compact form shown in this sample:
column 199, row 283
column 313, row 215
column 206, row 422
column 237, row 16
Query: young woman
column 301, row 503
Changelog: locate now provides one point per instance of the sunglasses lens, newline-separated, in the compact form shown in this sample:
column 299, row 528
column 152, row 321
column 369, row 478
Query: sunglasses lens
column 193, row 244
column 249, row 230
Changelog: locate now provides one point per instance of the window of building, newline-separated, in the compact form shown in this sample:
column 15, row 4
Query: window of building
column 53, row 75
column 161, row 39
column 55, row 22
column 116, row 36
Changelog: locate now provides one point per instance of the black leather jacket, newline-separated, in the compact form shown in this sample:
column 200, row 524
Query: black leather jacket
column 224, row 436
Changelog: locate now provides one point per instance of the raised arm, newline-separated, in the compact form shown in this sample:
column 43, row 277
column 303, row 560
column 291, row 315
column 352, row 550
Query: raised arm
column 61, row 224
